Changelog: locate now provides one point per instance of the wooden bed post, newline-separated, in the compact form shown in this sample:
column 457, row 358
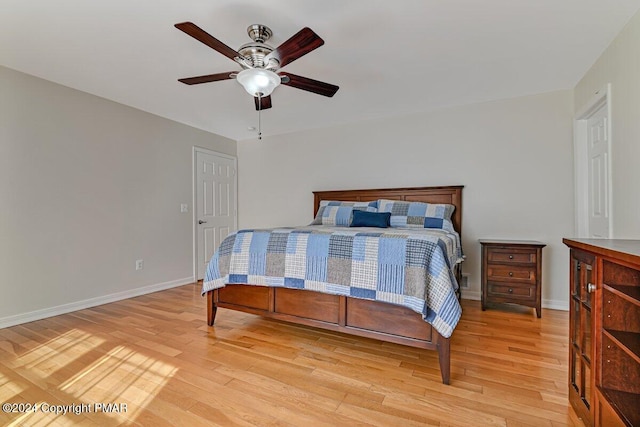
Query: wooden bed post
column 211, row 309
column 444, row 358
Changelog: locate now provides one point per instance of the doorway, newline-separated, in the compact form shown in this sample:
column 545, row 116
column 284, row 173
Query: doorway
column 215, row 203
column 592, row 160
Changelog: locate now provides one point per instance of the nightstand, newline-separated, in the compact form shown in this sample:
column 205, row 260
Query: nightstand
column 512, row 272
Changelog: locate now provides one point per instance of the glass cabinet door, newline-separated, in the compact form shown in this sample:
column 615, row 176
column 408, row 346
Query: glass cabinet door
column 580, row 335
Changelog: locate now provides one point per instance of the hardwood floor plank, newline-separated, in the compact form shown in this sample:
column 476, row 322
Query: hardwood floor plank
column 156, row 354
column 218, row 416
column 376, row 413
column 291, row 405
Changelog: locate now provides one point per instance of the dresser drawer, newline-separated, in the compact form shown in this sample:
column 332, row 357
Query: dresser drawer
column 514, row 292
column 511, row 256
column 511, row 273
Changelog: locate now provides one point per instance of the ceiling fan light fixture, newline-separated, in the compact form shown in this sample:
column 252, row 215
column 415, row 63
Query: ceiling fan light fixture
column 258, row 82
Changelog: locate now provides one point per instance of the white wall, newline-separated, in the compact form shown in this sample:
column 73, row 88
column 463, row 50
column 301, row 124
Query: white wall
column 87, row 186
column 620, row 66
column 514, row 158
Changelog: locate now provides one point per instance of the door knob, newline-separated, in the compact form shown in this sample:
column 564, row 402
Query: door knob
column 201, row 221
column 591, row 288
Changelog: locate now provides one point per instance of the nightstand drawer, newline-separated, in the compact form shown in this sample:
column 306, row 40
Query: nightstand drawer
column 511, row 256
column 512, row 291
column 511, row 273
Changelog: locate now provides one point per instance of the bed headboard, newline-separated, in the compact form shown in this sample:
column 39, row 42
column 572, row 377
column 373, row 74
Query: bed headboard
column 450, row 194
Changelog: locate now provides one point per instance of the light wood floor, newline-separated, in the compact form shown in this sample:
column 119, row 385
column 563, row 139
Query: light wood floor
column 156, row 355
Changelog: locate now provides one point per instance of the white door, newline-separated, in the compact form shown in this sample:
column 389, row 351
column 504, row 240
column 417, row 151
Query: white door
column 598, row 172
column 592, row 167
column 215, row 203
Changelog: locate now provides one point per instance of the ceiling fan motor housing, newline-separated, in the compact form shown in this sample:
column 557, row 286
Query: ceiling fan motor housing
column 256, row 51
column 255, row 54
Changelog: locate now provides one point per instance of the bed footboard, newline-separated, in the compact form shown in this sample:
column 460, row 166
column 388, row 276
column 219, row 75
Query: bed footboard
column 371, row 319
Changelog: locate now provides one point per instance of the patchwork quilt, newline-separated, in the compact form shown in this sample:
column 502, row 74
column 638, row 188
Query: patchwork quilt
column 409, row 267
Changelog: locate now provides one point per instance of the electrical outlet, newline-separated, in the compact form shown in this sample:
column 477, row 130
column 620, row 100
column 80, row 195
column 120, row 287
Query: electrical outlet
column 139, row 264
column 184, row 208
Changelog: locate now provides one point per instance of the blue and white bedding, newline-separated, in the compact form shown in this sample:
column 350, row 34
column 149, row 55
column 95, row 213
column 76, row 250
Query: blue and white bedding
column 412, row 267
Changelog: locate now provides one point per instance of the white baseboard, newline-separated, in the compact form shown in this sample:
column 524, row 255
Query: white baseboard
column 546, row 303
column 555, row 304
column 18, row 319
column 472, row 295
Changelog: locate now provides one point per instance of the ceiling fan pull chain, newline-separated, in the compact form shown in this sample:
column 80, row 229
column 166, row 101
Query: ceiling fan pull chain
column 259, row 116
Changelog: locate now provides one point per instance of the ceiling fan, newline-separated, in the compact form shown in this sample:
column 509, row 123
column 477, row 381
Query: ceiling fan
column 261, row 63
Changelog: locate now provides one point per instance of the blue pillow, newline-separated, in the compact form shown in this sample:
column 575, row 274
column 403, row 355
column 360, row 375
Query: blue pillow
column 370, row 219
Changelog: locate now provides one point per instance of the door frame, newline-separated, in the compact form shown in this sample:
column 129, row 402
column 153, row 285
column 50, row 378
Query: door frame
column 194, row 195
column 601, row 98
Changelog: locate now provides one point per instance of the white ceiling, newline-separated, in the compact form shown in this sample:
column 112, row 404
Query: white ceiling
column 388, row 57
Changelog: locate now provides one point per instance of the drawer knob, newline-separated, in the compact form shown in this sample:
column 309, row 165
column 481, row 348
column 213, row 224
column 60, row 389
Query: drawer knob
column 510, row 256
column 510, row 290
column 510, row 274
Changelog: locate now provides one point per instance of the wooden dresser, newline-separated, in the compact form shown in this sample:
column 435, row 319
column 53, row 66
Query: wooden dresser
column 604, row 331
column 512, row 272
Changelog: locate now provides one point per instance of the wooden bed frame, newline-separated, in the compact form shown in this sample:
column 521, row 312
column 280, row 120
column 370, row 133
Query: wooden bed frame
column 372, row 319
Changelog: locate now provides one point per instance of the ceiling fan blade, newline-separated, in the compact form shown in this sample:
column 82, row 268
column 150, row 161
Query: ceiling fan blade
column 310, row 85
column 208, row 78
column 301, row 43
column 201, row 35
column 265, row 102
